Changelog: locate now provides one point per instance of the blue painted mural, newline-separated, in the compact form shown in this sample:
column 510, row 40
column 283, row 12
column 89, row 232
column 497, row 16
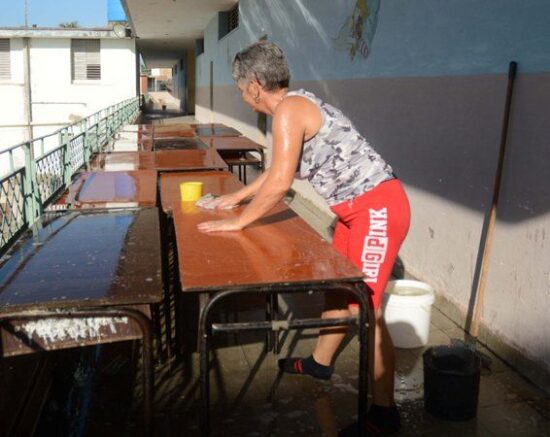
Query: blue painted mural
column 401, row 38
column 358, row 31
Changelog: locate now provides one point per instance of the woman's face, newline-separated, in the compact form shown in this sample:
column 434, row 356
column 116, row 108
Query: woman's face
column 249, row 92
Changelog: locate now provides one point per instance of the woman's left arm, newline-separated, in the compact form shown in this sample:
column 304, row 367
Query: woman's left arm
column 288, row 136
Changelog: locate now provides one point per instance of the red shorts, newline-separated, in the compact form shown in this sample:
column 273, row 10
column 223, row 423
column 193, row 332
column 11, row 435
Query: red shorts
column 369, row 232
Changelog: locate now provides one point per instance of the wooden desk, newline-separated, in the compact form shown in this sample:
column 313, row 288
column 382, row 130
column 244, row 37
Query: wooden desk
column 95, row 272
column 179, row 144
column 215, row 182
column 235, row 151
column 187, row 160
column 235, row 144
column 278, row 249
column 173, row 132
column 215, row 129
column 123, row 161
column 279, row 253
column 172, row 126
column 113, row 189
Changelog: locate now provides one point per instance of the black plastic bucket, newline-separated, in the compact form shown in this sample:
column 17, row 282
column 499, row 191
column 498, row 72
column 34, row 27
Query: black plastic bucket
column 451, row 382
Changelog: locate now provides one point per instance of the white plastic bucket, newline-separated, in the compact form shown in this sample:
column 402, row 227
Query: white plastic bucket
column 407, row 311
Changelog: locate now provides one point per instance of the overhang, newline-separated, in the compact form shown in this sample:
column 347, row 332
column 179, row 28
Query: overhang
column 167, row 28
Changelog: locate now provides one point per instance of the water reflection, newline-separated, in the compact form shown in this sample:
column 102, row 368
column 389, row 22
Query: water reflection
column 74, row 257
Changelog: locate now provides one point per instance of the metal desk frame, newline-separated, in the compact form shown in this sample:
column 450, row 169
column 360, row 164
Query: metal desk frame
column 146, row 333
column 207, row 329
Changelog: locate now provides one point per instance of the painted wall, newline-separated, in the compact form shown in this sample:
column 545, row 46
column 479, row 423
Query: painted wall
column 12, row 108
column 191, row 82
column 179, row 83
column 430, row 96
column 56, row 99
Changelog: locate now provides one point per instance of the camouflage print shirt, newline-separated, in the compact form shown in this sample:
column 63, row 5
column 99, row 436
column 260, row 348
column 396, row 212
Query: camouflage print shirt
column 338, row 162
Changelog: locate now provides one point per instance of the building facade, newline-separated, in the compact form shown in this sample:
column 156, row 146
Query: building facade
column 426, row 82
column 53, row 77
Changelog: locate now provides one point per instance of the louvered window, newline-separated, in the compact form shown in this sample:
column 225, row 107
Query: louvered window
column 5, row 72
column 86, row 61
column 228, row 21
column 234, row 17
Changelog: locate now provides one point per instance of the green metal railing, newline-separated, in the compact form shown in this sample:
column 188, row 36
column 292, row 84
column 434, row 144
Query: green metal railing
column 36, row 171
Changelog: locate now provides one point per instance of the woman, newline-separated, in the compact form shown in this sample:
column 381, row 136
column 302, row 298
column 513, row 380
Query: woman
column 370, row 203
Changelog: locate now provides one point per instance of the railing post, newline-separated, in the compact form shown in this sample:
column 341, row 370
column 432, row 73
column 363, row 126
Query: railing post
column 96, row 137
column 85, row 143
column 29, row 185
column 64, row 140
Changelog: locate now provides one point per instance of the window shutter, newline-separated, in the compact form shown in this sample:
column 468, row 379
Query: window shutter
column 234, row 18
column 86, row 59
column 5, row 63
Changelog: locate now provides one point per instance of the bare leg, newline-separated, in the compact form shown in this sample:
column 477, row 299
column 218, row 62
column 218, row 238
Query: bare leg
column 330, row 338
column 382, row 363
column 381, row 360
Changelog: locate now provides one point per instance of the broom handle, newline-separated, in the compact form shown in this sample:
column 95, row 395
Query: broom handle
column 493, row 214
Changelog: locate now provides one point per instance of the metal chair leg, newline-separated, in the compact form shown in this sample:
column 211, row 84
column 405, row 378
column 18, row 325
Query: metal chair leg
column 269, row 318
column 275, row 316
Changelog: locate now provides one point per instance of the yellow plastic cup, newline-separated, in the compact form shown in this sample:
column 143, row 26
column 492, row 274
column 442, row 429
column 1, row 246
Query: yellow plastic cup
column 190, row 191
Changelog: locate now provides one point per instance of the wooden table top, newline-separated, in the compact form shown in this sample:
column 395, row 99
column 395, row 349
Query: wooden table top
column 203, row 159
column 109, row 189
column 123, row 161
column 215, row 182
column 278, row 249
column 231, row 143
column 171, row 126
column 179, row 144
column 175, row 133
column 84, row 259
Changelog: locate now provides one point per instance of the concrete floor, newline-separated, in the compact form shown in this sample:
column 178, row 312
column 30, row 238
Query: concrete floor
column 251, row 398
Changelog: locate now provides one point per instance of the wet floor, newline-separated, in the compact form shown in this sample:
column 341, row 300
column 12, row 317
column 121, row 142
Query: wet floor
column 251, row 398
column 96, row 391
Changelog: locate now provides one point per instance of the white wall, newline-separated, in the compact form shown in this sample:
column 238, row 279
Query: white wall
column 12, row 109
column 56, row 98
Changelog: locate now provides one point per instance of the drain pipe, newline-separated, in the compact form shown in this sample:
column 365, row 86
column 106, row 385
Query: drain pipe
column 27, row 88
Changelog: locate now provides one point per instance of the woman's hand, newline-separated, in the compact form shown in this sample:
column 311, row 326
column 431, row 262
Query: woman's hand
column 227, row 201
column 232, row 224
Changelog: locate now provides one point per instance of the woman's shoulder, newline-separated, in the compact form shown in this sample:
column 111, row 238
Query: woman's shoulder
column 303, row 93
column 298, row 101
column 302, row 110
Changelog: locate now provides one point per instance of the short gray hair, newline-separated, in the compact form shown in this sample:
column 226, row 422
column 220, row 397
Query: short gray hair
column 262, row 61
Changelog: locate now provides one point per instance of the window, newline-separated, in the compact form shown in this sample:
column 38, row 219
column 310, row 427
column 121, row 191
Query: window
column 228, row 21
column 86, row 62
column 5, row 72
column 199, row 46
column 233, row 18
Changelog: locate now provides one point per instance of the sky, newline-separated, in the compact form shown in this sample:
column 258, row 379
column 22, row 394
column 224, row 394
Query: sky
column 49, row 13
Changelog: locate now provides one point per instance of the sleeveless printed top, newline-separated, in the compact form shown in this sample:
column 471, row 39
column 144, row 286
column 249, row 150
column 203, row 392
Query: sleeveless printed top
column 338, row 162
